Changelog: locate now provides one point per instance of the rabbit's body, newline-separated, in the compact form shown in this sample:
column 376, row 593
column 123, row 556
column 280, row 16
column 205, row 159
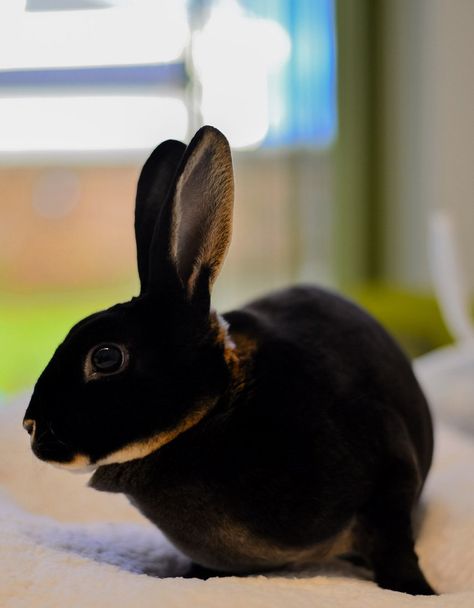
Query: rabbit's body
column 291, row 430
column 209, row 490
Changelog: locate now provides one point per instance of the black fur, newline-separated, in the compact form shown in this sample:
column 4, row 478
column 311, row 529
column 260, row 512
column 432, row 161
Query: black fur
column 153, row 188
column 317, row 428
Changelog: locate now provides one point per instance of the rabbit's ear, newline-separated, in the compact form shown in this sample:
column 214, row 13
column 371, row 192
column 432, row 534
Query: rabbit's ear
column 153, row 187
column 199, row 216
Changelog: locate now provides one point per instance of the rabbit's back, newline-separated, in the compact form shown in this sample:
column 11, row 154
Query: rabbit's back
column 333, row 354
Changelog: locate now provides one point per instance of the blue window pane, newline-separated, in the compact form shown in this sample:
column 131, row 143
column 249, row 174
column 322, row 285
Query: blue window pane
column 303, row 100
column 167, row 74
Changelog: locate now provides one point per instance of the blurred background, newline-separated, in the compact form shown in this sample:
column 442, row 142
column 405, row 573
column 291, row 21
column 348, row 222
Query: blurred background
column 350, row 123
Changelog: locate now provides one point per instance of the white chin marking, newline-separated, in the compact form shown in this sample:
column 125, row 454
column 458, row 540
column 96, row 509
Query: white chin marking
column 79, row 464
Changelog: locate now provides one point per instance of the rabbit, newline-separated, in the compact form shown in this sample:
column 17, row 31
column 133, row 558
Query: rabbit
column 275, row 436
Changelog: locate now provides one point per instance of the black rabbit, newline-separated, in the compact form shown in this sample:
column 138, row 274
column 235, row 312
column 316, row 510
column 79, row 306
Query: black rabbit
column 279, row 434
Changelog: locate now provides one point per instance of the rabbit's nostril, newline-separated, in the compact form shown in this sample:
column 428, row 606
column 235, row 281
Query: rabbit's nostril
column 29, row 426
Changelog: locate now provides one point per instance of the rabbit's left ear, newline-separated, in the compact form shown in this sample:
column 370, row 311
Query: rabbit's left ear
column 199, row 223
column 154, row 184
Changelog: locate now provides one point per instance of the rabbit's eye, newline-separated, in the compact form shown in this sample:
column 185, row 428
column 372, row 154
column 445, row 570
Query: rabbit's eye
column 107, row 359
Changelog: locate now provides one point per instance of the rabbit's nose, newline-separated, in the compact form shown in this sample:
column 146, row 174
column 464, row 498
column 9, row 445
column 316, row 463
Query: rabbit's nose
column 29, row 426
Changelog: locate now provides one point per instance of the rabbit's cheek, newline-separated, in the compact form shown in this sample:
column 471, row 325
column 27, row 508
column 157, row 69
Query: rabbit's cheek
column 140, row 449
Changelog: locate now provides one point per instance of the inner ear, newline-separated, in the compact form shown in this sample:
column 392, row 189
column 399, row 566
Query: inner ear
column 202, row 209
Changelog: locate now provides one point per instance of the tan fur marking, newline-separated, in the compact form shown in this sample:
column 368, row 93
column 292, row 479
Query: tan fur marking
column 26, row 423
column 79, row 464
column 223, row 336
column 238, row 349
column 140, row 449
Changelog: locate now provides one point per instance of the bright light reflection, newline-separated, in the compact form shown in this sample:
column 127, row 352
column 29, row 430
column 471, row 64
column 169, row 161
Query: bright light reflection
column 34, row 124
column 130, row 32
column 234, row 56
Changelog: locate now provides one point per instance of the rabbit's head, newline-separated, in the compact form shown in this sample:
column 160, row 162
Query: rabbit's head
column 129, row 379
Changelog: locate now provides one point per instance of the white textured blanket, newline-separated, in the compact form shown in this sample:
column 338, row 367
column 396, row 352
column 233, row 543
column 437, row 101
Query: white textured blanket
column 63, row 544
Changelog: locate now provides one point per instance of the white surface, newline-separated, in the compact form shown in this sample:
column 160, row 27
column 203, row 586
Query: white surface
column 63, row 544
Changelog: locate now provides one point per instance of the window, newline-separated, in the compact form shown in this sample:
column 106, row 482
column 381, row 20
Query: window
column 117, row 75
